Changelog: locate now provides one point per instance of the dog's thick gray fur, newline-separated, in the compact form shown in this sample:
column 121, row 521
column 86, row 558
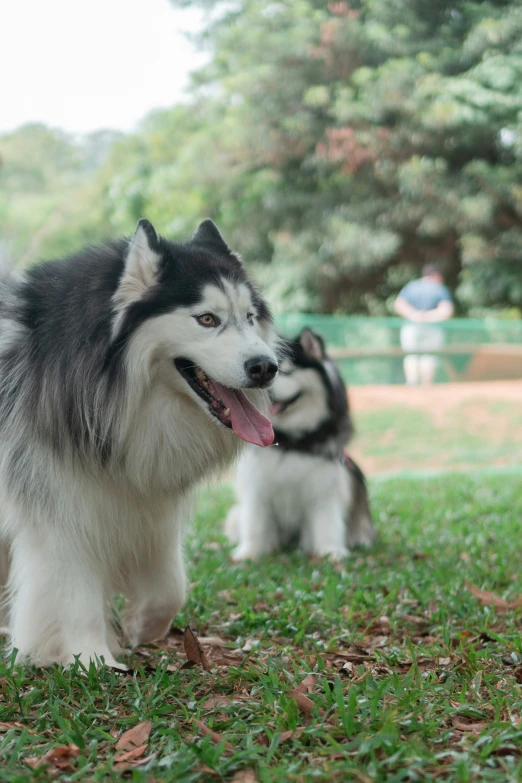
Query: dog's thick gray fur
column 105, row 428
column 305, row 487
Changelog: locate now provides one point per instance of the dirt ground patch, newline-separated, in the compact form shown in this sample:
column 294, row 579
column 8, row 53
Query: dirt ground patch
column 447, row 426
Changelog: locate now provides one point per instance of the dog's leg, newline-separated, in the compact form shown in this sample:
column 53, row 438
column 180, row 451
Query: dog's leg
column 58, row 606
column 231, row 524
column 360, row 530
column 156, row 589
column 256, row 530
column 324, row 532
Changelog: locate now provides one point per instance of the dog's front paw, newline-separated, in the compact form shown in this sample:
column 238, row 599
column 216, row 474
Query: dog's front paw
column 335, row 555
column 98, row 658
column 365, row 539
column 242, row 552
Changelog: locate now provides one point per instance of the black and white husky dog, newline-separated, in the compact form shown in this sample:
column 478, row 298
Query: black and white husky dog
column 305, row 487
column 128, row 372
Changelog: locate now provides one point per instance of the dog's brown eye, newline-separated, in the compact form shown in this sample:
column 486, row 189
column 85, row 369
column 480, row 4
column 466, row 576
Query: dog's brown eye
column 208, row 320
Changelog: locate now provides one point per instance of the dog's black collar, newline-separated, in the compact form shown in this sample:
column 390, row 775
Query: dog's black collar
column 310, row 442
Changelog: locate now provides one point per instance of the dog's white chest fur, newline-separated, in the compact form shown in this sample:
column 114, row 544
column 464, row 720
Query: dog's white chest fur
column 284, row 494
column 293, row 484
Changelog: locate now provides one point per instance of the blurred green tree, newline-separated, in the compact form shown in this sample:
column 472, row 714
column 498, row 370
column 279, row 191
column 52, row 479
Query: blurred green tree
column 385, row 135
column 339, row 147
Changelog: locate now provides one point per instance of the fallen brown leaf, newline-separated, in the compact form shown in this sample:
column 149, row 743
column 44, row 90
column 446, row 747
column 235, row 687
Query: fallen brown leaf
column 204, row 770
column 287, row 735
column 506, row 750
column 355, row 654
column 59, row 757
column 123, row 766
column 245, row 776
column 10, row 724
column 194, row 651
column 212, row 641
column 348, row 667
column 215, row 702
column 308, row 684
column 464, row 724
column 215, row 737
column 130, row 755
column 305, row 704
column 135, row 737
column 488, row 598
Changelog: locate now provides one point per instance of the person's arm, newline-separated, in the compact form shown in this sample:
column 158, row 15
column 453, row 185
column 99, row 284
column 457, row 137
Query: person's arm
column 406, row 310
column 442, row 312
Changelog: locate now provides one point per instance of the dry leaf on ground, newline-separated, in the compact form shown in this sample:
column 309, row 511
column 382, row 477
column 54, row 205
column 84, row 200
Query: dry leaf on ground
column 59, row 757
column 488, row 598
column 204, row 770
column 10, row 724
column 245, row 776
column 215, row 737
column 308, row 684
column 288, row 735
column 194, row 651
column 130, row 755
column 305, row 704
column 135, row 737
column 212, row 641
column 216, row 702
column 465, row 724
column 349, row 668
column 507, row 750
column 355, row 654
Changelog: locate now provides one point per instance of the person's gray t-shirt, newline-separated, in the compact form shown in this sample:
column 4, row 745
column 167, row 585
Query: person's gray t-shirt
column 425, row 295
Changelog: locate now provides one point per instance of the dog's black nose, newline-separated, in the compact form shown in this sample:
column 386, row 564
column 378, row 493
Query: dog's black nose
column 261, row 370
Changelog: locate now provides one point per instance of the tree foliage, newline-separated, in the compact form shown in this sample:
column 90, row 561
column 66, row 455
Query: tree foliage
column 339, row 146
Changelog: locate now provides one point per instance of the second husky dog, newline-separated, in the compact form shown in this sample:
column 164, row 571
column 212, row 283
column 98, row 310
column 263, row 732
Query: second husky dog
column 305, row 487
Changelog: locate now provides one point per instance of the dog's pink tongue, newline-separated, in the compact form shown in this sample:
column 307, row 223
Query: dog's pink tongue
column 247, row 422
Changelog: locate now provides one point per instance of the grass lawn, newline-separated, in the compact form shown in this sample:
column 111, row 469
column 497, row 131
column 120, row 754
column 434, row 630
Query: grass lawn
column 450, row 427
column 415, row 678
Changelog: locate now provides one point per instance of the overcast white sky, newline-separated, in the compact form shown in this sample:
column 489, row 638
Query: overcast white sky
column 86, row 64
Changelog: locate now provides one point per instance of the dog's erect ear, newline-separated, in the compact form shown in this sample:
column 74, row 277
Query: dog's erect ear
column 141, row 263
column 142, row 259
column 312, row 345
column 207, row 235
column 140, row 271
